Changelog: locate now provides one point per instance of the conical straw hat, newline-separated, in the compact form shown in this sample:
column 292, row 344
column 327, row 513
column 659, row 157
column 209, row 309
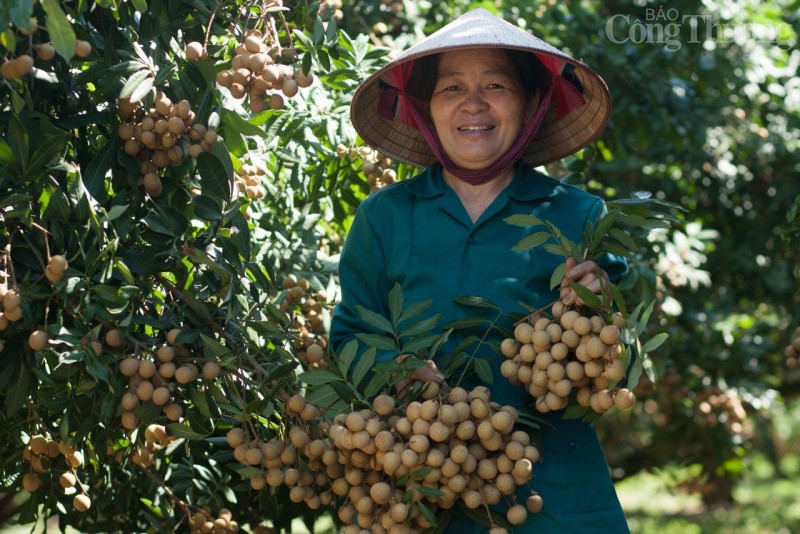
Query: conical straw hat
column 559, row 135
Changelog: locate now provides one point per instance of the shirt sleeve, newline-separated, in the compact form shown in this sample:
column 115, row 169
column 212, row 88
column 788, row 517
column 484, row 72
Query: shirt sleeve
column 364, row 282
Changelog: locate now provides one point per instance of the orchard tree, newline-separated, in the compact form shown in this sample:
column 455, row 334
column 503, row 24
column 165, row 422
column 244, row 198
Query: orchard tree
column 171, row 192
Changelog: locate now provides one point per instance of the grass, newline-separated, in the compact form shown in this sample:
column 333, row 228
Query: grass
column 765, row 503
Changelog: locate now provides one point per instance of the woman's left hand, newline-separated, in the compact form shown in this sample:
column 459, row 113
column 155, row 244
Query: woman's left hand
column 586, row 273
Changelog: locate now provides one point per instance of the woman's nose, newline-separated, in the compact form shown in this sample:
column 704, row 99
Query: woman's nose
column 474, row 101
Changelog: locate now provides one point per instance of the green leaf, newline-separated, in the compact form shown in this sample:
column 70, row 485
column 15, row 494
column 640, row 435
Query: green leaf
column 467, row 322
column 375, row 320
column 575, row 411
column 207, row 208
column 216, row 172
column 522, row 219
column 531, row 241
column 420, row 343
column 182, row 430
column 17, row 392
column 345, row 357
column 619, row 300
column 558, row 275
column 395, row 302
column 415, row 309
column 140, row 5
column 18, row 139
column 378, row 341
column 59, row 29
column 324, row 396
column 318, row 377
column 133, row 83
column 624, row 239
column 363, row 365
column 200, row 402
column 588, row 296
column 476, row 302
column 642, row 322
column 6, row 154
column 237, row 123
column 420, row 327
column 97, row 169
column 484, row 371
column 654, row 342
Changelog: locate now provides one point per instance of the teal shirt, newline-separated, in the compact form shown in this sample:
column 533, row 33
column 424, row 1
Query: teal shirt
column 417, row 232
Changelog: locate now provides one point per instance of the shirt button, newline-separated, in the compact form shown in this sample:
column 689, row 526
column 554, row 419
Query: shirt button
column 471, row 240
column 573, row 447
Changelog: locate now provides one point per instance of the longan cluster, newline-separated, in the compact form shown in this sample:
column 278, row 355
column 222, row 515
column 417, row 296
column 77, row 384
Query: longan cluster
column 11, row 301
column 443, row 449
column 205, row 522
column 156, row 379
column 791, row 352
column 374, row 165
column 254, row 73
column 15, row 68
column 155, row 439
column 161, row 136
column 573, row 355
column 308, row 319
column 43, row 454
column 717, row 406
column 248, row 180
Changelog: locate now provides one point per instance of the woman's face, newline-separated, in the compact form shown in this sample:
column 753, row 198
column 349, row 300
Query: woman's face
column 478, row 107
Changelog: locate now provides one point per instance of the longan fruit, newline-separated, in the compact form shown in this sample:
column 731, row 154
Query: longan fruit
column 147, row 368
column 195, row 50
column 275, row 101
column 129, row 366
column 610, row 334
column 161, row 396
column 517, row 514
column 129, row 420
column 113, row 338
column 380, row 492
column 523, row 333
column 58, row 263
column 67, row 480
column 45, row 51
column 534, row 504
column 173, row 411
column 211, row 370
column 184, row 374
column 509, row 347
column 82, row 50
column 81, row 502
column 38, row 340
column 624, row 399
column 289, row 87
column 383, row 404
column 235, row 436
column 31, row 482
column 314, row 353
column 582, row 325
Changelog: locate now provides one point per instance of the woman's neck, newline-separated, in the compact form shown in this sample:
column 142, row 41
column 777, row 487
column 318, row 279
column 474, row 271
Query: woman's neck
column 476, row 198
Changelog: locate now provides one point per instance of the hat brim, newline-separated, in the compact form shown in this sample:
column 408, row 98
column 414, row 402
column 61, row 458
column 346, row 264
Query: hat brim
column 557, row 137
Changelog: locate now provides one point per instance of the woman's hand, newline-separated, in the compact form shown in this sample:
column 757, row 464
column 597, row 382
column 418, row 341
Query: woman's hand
column 586, row 273
column 427, row 373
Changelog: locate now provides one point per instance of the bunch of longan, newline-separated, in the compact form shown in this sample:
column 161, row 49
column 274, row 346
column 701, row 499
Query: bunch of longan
column 156, row 379
column 248, row 180
column 204, row 521
column 374, row 165
column 161, row 137
column 309, row 313
column 254, row 73
column 335, row 5
column 459, row 447
column 11, row 300
column 15, row 68
column 575, row 354
column 791, row 352
column 43, row 453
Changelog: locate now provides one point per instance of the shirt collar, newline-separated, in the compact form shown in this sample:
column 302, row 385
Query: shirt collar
column 528, row 184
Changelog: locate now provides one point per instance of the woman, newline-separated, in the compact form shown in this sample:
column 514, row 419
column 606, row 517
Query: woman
column 479, row 103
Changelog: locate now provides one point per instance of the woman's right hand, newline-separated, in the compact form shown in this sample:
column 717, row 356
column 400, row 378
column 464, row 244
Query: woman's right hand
column 427, row 373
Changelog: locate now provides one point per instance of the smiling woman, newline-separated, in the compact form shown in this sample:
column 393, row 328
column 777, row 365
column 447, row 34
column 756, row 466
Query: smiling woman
column 479, row 103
